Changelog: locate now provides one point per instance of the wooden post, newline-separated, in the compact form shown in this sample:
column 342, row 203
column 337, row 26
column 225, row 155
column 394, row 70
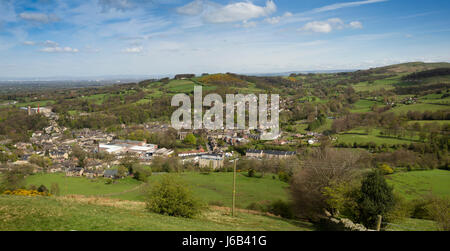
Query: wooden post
column 234, row 190
column 379, row 222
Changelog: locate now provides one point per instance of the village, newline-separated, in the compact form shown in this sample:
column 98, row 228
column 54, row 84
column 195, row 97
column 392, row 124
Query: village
column 57, row 144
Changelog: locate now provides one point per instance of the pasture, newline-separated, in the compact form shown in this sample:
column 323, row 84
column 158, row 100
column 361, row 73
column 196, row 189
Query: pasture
column 77, row 213
column 213, row 188
column 414, row 185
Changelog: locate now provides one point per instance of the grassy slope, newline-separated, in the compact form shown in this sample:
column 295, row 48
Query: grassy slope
column 84, row 214
column 213, row 188
column 360, row 136
column 82, row 186
column 413, row 185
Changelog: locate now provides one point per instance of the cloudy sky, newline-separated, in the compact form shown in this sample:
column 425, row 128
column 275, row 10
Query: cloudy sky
column 47, row 38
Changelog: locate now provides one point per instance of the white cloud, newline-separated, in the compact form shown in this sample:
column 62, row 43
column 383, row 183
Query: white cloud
column 356, row 25
column 329, row 25
column 239, row 11
column 345, row 5
column 247, row 24
column 115, row 4
column 38, row 17
column 59, row 50
column 138, row 49
column 50, row 43
column 192, row 9
column 276, row 20
column 318, row 27
column 30, row 43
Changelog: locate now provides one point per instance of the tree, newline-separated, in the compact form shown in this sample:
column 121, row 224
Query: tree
column 122, row 172
column 172, row 197
column 324, row 168
column 12, row 180
column 376, row 198
column 43, row 189
column 190, row 139
column 129, row 162
column 54, row 189
column 439, row 210
column 43, row 162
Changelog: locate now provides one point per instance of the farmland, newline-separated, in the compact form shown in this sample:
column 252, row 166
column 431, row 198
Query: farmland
column 414, row 185
column 87, row 214
column 214, row 188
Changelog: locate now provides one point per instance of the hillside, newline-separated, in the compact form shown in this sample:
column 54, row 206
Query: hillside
column 76, row 213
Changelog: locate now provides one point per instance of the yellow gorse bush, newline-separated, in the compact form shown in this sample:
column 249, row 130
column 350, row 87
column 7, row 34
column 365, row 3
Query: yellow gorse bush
column 24, row 192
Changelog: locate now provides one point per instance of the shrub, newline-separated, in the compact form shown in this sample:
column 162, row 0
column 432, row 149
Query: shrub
column 142, row 174
column 386, row 169
column 284, row 177
column 402, row 209
column 54, row 189
column 172, row 197
column 43, row 189
column 376, row 198
column 24, row 192
column 439, row 210
column 251, row 173
column 281, row 208
column 257, row 206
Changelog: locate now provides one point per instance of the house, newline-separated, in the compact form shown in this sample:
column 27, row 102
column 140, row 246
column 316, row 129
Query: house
column 214, row 161
column 75, row 172
column 111, row 173
column 164, row 152
column 269, row 154
column 58, row 155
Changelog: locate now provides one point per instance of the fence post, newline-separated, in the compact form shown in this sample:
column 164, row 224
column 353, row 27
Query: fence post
column 379, row 222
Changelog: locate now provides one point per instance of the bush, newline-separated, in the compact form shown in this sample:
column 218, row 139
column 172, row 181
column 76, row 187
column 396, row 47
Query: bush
column 284, row 177
column 281, row 208
column 439, row 210
column 171, row 197
column 376, row 198
column 142, row 174
column 54, row 189
column 386, row 169
column 43, row 189
column 257, row 206
column 402, row 209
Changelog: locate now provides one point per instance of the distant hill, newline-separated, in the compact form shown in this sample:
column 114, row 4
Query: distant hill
column 410, row 67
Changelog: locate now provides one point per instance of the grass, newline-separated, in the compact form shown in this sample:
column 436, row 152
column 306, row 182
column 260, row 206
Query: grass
column 214, row 188
column 410, row 224
column 41, row 103
column 429, row 122
column 361, row 136
column 93, row 214
column 364, row 106
column 80, row 185
column 414, row 185
column 387, row 84
column 420, row 107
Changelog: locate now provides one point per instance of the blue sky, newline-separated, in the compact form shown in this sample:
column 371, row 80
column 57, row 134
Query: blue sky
column 46, row 38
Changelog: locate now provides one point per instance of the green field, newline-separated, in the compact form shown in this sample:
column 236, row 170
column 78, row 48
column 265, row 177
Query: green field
column 361, row 136
column 387, row 84
column 410, row 224
column 414, row 185
column 84, row 214
column 420, row 107
column 80, row 185
column 363, row 106
column 214, row 188
column 429, row 122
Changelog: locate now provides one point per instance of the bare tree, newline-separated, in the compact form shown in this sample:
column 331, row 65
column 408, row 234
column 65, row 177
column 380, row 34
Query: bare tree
column 322, row 169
